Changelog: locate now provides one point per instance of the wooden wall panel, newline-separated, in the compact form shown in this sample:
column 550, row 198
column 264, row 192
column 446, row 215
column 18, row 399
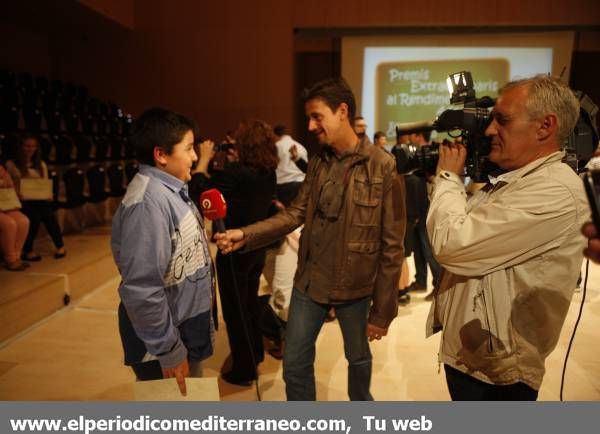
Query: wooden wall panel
column 222, row 61
column 120, row 11
column 368, row 13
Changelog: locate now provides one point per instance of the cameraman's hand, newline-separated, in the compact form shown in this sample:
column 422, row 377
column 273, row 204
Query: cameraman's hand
column 230, row 241
column 452, row 158
column 592, row 251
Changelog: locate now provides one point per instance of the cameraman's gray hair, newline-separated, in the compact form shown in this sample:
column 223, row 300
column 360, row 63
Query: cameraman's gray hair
column 547, row 94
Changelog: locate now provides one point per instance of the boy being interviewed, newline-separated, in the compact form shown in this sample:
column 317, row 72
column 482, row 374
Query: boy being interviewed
column 161, row 251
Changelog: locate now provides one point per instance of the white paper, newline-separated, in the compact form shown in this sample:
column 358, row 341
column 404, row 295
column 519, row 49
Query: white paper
column 198, row 389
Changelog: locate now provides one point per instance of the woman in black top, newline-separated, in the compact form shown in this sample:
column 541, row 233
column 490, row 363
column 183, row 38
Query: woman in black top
column 247, row 181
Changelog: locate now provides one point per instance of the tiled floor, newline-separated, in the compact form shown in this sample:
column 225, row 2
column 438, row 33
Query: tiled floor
column 75, row 355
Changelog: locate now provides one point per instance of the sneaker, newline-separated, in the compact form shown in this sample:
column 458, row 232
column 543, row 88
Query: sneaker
column 415, row 287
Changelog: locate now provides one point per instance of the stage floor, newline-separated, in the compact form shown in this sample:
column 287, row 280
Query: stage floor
column 75, row 354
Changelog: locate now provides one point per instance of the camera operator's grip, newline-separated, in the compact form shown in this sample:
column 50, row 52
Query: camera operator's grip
column 591, row 182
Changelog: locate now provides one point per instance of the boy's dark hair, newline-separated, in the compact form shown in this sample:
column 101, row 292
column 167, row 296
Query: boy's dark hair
column 158, row 127
column 332, row 92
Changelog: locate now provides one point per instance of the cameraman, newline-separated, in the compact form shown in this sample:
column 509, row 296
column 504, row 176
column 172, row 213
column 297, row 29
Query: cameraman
column 512, row 253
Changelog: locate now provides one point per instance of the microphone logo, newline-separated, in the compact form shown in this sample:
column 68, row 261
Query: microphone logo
column 206, row 204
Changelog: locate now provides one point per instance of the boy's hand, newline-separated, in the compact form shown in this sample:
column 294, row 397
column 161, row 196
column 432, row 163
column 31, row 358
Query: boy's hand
column 179, row 372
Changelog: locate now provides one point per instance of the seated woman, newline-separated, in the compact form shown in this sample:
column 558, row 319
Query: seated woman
column 247, row 181
column 13, row 229
column 28, row 165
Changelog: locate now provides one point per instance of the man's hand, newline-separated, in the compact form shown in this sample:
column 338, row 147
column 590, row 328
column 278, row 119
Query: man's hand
column 592, row 251
column 179, row 372
column 374, row 332
column 452, row 158
column 230, row 241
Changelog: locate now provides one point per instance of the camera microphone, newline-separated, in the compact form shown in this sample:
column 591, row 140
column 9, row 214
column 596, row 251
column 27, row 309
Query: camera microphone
column 214, row 208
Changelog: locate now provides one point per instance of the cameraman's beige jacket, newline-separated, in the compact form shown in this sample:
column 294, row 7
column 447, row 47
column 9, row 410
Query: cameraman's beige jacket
column 511, row 257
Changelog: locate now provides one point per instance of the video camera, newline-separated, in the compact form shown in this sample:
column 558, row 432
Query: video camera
column 471, row 121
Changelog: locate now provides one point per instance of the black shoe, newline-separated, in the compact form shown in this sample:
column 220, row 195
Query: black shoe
column 429, row 297
column 232, row 378
column 30, row 258
column 415, row 287
column 16, row 266
column 403, row 298
column 276, row 352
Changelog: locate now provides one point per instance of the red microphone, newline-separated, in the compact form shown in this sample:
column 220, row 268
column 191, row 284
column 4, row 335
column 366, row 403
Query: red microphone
column 214, row 208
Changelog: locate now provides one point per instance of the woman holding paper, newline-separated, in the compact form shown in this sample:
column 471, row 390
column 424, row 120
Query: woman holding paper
column 13, row 224
column 30, row 176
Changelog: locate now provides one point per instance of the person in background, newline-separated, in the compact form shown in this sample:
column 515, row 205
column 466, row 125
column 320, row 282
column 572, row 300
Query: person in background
column 289, row 175
column 29, row 165
column 360, row 128
column 380, row 140
column 352, row 207
column 422, row 248
column 14, row 226
column 248, row 183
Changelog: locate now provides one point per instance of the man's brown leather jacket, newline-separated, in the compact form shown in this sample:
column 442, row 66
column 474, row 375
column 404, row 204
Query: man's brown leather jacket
column 370, row 252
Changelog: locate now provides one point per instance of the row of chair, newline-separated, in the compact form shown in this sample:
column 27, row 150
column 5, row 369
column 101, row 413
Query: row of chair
column 24, row 90
column 64, row 149
column 93, row 184
column 41, row 84
column 13, row 119
column 28, row 104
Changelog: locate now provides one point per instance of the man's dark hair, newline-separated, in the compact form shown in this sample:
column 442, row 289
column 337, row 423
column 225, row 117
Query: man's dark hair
column 427, row 136
column 333, row 92
column 377, row 135
column 279, row 130
column 158, row 127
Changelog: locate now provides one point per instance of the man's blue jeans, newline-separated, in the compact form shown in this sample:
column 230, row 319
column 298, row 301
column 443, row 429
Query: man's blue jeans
column 305, row 320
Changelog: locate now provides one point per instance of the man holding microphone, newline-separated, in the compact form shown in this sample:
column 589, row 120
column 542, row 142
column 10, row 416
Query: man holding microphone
column 352, row 206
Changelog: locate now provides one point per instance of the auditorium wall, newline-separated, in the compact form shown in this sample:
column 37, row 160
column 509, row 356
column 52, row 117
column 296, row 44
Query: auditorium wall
column 223, row 61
